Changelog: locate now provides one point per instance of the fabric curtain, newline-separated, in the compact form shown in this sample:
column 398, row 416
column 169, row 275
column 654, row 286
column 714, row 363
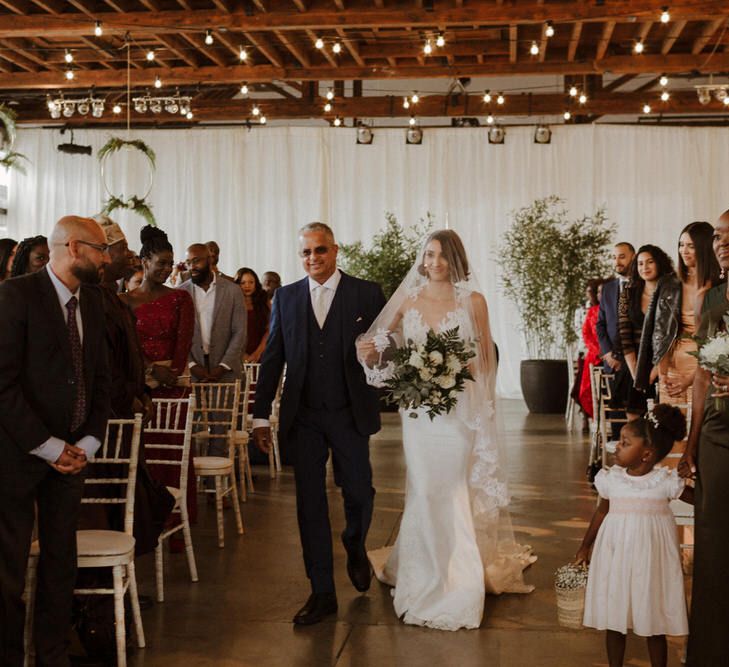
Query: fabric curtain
column 252, row 189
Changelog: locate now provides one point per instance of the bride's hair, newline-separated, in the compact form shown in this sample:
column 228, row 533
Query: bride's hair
column 453, row 252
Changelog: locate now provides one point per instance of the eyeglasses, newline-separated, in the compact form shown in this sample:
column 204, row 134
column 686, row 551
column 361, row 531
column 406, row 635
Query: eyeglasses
column 101, row 247
column 319, row 250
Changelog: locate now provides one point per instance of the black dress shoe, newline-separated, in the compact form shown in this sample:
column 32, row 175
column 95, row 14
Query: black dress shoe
column 358, row 569
column 316, row 608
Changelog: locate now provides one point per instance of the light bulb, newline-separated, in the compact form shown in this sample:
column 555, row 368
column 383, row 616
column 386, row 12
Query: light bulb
column 726, row 101
column 319, row 43
column 337, row 121
column 664, row 96
column 500, row 99
column 566, row 115
column 243, row 55
column 209, row 37
column 117, row 109
column 665, row 15
column 414, row 98
column 428, row 48
column 406, row 103
column 549, row 29
column 188, row 115
column 573, row 91
column 97, row 29
column 638, row 48
column 255, row 110
column 646, row 108
column 534, row 49
column 68, row 57
column 150, row 55
column 330, row 94
column 328, row 107
column 490, row 119
column 262, row 120
column 663, row 80
column 69, row 74
column 157, row 82
column 487, row 97
column 337, row 48
column 440, row 41
column 582, row 98
column 244, row 89
column 412, row 121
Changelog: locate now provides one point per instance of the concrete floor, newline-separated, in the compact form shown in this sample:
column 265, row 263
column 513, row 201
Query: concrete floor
column 240, row 612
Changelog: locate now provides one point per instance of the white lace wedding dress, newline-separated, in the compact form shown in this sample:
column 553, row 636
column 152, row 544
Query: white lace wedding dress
column 435, row 564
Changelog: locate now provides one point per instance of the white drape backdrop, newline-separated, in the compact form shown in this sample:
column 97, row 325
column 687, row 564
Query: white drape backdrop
column 251, row 190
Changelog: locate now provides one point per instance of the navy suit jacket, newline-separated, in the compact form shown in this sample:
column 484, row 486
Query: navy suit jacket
column 361, row 302
column 607, row 320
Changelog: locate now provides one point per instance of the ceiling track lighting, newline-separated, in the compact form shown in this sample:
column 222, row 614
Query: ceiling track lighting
column 365, row 136
column 414, row 135
column 172, row 104
column 720, row 92
column 542, row 135
column 68, row 106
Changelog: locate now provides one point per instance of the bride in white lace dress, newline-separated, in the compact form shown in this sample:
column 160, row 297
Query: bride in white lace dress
column 455, row 542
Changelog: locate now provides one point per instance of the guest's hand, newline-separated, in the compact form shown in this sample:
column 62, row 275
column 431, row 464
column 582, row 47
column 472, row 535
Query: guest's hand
column 145, row 407
column 678, row 388
column 721, row 384
column 71, row 461
column 612, row 362
column 215, row 374
column 164, row 375
column 199, row 373
column 262, row 438
column 687, row 464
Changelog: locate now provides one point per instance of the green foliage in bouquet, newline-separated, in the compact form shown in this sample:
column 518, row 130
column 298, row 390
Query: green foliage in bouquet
column 430, row 374
column 713, row 354
column 546, row 261
column 394, row 250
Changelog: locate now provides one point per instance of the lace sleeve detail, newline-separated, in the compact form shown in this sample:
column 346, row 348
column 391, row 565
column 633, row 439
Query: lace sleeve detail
column 377, row 377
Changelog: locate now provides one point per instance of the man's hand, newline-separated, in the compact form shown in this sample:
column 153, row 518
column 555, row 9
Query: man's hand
column 199, row 373
column 687, row 464
column 164, row 375
column 215, row 374
column 71, row 461
column 721, row 384
column 611, row 361
column 262, row 438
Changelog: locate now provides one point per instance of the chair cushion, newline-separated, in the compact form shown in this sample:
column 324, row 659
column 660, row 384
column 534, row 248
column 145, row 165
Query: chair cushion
column 103, row 543
column 212, row 463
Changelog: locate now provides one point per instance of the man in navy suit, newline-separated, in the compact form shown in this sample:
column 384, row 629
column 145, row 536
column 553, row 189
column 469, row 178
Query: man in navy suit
column 326, row 404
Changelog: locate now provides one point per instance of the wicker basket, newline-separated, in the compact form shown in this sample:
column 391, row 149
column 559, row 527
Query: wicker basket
column 570, row 606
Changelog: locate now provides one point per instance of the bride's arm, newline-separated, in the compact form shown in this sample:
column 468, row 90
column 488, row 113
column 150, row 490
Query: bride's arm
column 480, row 311
column 365, row 345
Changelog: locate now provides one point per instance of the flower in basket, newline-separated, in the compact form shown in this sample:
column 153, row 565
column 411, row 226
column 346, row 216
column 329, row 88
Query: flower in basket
column 713, row 354
column 431, row 374
column 570, row 583
column 571, row 577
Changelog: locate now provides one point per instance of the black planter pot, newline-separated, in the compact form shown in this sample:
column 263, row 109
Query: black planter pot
column 544, row 384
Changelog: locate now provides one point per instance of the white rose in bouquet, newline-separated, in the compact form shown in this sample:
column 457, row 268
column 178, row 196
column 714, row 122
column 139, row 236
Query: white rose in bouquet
column 453, row 364
column 426, row 374
column 436, row 357
column 416, row 361
column 446, row 381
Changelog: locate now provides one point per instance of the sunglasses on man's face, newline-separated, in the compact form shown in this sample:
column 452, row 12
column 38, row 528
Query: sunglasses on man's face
column 319, row 250
column 101, row 247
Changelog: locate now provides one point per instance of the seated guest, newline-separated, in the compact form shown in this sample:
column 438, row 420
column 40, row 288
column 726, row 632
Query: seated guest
column 592, row 345
column 31, row 255
column 7, row 254
column 258, row 311
column 707, row 460
column 271, row 281
column 649, row 266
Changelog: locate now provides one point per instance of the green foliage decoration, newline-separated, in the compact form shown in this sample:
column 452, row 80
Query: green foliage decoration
column 9, row 158
column 134, row 204
column 546, row 261
column 393, row 251
column 117, row 143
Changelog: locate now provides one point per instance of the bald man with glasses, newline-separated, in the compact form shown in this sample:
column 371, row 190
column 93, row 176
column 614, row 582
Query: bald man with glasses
column 54, row 393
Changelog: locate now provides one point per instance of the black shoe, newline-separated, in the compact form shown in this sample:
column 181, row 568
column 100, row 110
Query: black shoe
column 316, row 608
column 358, row 569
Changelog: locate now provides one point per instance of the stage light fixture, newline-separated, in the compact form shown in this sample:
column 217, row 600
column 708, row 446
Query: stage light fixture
column 497, row 134
column 414, row 136
column 542, row 135
column 365, row 136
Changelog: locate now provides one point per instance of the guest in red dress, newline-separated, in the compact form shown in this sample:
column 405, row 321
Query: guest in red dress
column 165, row 324
column 259, row 312
column 592, row 345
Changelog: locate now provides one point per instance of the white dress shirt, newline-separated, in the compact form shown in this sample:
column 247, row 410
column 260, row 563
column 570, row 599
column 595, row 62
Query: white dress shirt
column 52, row 448
column 205, row 305
column 327, row 291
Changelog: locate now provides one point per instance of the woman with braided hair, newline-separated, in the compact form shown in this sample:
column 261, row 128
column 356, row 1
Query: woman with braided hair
column 31, row 255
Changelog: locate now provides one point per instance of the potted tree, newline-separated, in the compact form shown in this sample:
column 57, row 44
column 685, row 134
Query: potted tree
column 546, row 261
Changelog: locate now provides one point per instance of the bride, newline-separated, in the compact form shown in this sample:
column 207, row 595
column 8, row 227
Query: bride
column 455, row 542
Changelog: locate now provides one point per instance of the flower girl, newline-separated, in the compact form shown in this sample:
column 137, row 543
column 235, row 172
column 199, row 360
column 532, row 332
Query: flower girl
column 635, row 580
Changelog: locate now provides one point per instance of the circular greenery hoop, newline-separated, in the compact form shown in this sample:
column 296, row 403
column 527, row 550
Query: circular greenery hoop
column 10, row 158
column 134, row 203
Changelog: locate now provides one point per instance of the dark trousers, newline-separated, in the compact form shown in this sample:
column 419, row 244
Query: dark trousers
column 24, row 482
column 312, row 435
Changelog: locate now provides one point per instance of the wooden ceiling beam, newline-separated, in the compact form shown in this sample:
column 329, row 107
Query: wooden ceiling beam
column 707, row 33
column 673, row 34
column 261, row 42
column 39, row 58
column 605, row 37
column 293, row 48
column 351, row 47
column 82, row 5
column 533, row 105
column 209, row 52
column 527, row 12
column 325, row 52
column 513, row 43
column 617, row 83
column 180, row 49
column 20, row 7
column 24, row 63
column 574, row 40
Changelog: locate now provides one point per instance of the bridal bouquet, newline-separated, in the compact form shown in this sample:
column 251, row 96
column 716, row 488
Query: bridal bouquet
column 430, row 374
column 713, row 354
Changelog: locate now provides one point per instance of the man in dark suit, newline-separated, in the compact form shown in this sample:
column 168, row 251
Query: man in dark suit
column 326, row 404
column 54, row 393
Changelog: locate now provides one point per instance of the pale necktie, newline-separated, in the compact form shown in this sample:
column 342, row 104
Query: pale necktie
column 320, row 305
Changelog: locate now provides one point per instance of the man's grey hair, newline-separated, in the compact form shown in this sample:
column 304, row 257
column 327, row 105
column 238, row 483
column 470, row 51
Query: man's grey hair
column 318, row 227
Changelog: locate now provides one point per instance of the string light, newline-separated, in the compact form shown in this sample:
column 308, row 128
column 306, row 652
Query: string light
column 489, row 120
column 726, row 101
column 328, row 107
column 428, row 48
column 534, row 49
column 573, row 91
column 337, row 121
column 412, row 122
column 244, row 89
column 150, row 55
column 406, row 103
column 566, row 115
column 665, row 15
column 582, row 98
column 209, row 37
column 319, row 43
column 262, row 120
column 69, row 74
column 243, row 54
column 117, row 109
column 440, row 41
column 414, row 98
column 487, row 97
column 638, row 48
column 330, row 94
column 68, row 57
column 663, row 80
column 188, row 115
column 665, row 95
column 157, row 82
column 255, row 110
column 500, row 99
column 97, row 29
column 337, row 48
column 549, row 29
column 646, row 108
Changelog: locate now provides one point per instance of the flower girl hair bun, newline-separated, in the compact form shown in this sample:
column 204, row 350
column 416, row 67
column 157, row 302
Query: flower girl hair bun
column 661, row 427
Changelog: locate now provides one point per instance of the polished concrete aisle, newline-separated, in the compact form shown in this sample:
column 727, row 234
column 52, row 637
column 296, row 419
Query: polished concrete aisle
column 240, row 612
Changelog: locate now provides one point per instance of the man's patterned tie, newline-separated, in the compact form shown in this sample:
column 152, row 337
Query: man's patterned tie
column 77, row 358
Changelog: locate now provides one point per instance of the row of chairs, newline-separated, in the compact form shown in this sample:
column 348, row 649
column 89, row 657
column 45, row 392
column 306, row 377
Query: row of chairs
column 220, row 410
